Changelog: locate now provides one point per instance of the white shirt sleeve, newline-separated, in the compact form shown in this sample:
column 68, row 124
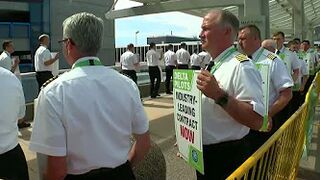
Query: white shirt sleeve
column 280, row 76
column 140, row 124
column 304, row 68
column 248, row 87
column 22, row 110
column 47, row 116
column 46, row 55
column 294, row 61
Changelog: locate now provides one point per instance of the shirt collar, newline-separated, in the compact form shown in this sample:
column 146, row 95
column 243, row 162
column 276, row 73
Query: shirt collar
column 222, row 54
column 7, row 53
column 43, row 45
column 84, row 59
column 281, row 49
column 254, row 55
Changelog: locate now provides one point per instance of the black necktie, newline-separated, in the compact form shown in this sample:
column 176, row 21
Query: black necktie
column 210, row 65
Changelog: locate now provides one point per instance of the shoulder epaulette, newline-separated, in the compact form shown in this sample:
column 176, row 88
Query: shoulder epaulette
column 242, row 58
column 49, row 81
column 271, row 56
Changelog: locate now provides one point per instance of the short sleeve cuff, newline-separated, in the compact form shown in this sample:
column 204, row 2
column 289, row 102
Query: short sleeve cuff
column 47, row 150
column 258, row 108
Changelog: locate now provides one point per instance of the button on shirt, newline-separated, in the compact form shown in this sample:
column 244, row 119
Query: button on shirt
column 289, row 58
column 12, row 108
column 127, row 60
column 153, row 58
column 5, row 60
column 42, row 55
column 242, row 81
column 183, row 56
column 279, row 76
column 88, row 114
column 195, row 60
column 170, row 58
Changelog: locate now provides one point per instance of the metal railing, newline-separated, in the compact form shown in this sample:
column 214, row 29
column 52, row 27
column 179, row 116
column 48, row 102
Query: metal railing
column 279, row 157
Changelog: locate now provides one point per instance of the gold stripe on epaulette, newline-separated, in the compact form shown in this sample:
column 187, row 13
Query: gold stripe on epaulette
column 271, row 56
column 242, row 58
column 49, row 81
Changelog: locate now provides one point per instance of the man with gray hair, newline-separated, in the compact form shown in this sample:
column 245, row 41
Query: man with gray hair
column 43, row 61
column 269, row 44
column 232, row 97
column 82, row 127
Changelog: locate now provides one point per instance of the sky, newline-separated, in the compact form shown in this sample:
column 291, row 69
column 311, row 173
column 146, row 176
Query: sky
column 180, row 24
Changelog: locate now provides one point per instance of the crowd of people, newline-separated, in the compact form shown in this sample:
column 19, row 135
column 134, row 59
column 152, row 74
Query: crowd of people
column 83, row 130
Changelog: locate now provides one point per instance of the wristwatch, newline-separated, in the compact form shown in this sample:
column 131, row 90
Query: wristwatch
column 223, row 100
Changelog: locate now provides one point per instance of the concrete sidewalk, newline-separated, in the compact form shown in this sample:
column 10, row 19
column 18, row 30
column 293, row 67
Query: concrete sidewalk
column 310, row 166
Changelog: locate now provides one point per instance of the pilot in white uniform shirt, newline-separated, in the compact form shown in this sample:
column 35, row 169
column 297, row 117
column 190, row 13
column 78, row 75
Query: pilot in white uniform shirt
column 73, row 102
column 279, row 77
column 289, row 58
column 243, row 82
column 5, row 60
column 183, row 58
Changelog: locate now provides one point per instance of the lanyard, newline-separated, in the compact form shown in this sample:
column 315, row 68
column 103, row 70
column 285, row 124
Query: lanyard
column 258, row 56
column 282, row 55
column 90, row 62
column 223, row 58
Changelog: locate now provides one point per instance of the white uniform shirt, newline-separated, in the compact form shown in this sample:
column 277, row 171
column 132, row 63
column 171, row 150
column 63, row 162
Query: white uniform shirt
column 302, row 72
column 153, row 58
column 12, row 108
column 195, row 60
column 5, row 60
column 279, row 76
column 242, row 81
column 127, row 60
column 170, row 58
column 310, row 58
column 88, row 114
column 290, row 59
column 183, row 56
column 42, row 54
column 205, row 56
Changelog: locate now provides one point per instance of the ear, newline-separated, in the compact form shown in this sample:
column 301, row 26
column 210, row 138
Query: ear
column 227, row 30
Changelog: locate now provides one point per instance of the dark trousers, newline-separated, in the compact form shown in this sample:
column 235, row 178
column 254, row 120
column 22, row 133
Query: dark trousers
column 221, row 159
column 154, row 74
column 295, row 102
column 169, row 72
column 182, row 66
column 122, row 172
column 42, row 77
column 13, row 165
column 309, row 82
column 255, row 139
column 195, row 67
column 131, row 74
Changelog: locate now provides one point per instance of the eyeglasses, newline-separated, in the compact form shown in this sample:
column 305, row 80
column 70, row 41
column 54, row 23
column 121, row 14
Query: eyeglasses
column 64, row 40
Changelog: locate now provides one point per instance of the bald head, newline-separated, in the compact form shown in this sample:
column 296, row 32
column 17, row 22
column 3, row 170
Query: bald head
column 269, row 44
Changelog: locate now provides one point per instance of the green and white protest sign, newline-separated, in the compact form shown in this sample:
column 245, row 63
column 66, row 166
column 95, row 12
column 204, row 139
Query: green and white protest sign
column 264, row 70
column 187, row 117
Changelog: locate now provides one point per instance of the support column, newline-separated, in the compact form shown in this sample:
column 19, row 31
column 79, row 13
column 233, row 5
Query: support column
column 241, row 11
column 310, row 34
column 298, row 19
column 257, row 12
